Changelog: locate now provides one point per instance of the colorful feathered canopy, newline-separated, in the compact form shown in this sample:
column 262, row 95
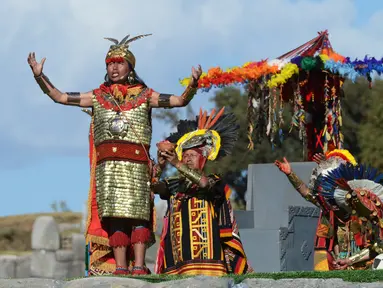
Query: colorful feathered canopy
column 342, row 186
column 215, row 134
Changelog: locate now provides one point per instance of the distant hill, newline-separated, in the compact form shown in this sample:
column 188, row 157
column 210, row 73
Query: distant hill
column 15, row 231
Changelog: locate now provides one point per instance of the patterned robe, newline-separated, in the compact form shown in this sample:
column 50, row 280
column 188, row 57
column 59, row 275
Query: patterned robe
column 200, row 234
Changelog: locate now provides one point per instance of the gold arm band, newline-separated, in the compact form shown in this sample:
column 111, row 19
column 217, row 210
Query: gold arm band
column 311, row 198
column 358, row 257
column 42, row 80
column 73, row 98
column 188, row 94
column 295, row 180
column 191, row 174
column 164, row 100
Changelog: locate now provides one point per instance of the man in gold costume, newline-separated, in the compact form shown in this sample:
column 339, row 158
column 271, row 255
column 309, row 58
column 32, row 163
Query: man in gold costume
column 120, row 136
column 200, row 235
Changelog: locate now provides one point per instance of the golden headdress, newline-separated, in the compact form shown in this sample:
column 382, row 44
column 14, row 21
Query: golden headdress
column 214, row 135
column 120, row 50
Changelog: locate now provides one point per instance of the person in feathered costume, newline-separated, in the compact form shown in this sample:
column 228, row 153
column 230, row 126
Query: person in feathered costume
column 357, row 190
column 200, row 235
column 343, row 230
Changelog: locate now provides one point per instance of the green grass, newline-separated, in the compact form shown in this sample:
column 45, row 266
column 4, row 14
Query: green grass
column 349, row 276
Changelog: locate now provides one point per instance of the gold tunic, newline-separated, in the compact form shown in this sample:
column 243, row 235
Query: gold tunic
column 122, row 187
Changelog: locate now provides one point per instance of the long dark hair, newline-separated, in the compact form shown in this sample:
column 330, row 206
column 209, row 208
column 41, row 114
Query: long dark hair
column 137, row 79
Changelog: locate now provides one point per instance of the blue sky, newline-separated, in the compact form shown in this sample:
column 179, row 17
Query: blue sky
column 44, row 145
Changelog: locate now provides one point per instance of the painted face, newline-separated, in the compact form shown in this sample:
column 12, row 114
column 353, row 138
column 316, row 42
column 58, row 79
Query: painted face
column 193, row 159
column 117, row 70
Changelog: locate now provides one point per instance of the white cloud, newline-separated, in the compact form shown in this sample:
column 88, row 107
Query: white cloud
column 211, row 32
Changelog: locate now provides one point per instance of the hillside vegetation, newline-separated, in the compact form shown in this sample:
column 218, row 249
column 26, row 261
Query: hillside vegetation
column 16, row 231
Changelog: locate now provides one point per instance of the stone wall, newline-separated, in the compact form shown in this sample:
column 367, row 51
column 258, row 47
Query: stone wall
column 48, row 259
column 278, row 227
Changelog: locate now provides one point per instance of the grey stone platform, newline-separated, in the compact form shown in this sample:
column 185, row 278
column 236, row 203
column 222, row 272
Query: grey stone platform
column 278, row 226
column 201, row 281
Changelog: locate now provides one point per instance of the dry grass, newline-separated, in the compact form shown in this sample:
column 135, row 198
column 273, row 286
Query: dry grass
column 16, row 253
column 15, row 231
column 27, row 220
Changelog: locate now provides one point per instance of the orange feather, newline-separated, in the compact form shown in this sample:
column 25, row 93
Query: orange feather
column 219, row 114
column 200, row 118
column 203, row 121
column 207, row 126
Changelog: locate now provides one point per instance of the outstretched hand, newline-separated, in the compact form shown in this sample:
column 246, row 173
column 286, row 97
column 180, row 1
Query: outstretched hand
column 37, row 68
column 318, row 158
column 196, row 74
column 283, row 166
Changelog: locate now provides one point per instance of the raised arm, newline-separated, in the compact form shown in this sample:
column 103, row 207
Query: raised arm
column 159, row 100
column 297, row 183
column 195, row 176
column 66, row 98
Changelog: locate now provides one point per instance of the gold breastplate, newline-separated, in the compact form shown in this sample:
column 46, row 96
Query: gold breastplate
column 133, row 125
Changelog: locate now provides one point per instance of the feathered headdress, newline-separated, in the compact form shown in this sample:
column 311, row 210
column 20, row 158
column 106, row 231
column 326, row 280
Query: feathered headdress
column 120, row 50
column 352, row 187
column 215, row 135
column 334, row 159
column 342, row 154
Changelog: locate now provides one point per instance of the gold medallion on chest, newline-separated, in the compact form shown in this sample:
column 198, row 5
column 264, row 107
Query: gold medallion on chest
column 118, row 126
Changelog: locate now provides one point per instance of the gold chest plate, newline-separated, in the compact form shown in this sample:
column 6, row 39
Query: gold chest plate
column 132, row 126
column 122, row 187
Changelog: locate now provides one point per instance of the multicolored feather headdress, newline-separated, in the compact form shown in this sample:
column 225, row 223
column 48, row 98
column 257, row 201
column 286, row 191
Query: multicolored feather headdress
column 356, row 188
column 342, row 154
column 214, row 135
column 120, row 50
column 333, row 160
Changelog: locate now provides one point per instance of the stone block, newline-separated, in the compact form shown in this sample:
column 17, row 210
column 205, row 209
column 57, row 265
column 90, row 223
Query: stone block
column 266, row 259
column 8, row 266
column 45, row 265
column 76, row 269
column 266, row 221
column 45, row 234
column 23, row 266
column 78, row 246
column 270, row 190
column 61, row 270
column 64, row 256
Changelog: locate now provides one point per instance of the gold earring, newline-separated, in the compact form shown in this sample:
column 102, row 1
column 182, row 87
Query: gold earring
column 131, row 77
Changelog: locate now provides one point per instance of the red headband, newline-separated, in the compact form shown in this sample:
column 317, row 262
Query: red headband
column 114, row 59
